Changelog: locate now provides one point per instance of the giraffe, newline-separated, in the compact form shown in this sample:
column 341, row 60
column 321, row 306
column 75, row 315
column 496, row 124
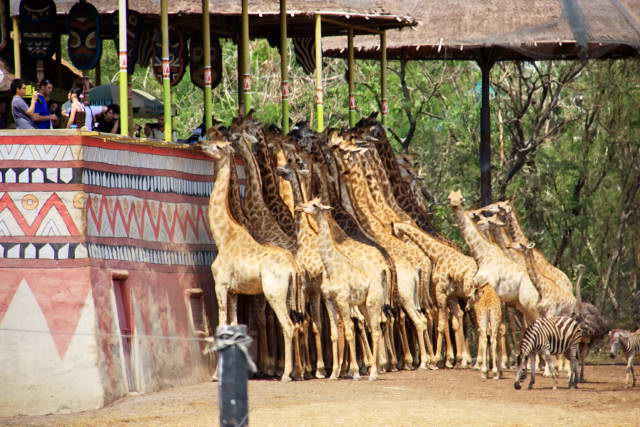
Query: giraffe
column 487, row 308
column 243, row 265
column 510, row 282
column 452, row 277
column 403, row 257
column 348, row 286
column 308, row 257
column 367, row 256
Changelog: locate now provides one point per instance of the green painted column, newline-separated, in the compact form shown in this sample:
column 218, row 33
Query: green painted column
column 166, row 70
column 319, row 90
column 206, row 45
column 284, row 66
column 246, row 68
column 122, row 56
column 351, row 73
column 383, row 78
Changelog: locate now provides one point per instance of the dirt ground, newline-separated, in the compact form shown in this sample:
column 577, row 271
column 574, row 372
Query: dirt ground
column 443, row 397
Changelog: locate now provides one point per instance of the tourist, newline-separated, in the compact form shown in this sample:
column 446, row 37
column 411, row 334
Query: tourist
column 23, row 114
column 45, row 118
column 77, row 114
column 110, row 122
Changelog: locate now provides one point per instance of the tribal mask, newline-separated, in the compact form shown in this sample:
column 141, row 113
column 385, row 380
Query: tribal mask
column 38, row 28
column 196, row 61
column 85, row 42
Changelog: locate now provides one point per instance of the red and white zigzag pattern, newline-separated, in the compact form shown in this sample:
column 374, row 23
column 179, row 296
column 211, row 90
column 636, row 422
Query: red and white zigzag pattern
column 150, row 220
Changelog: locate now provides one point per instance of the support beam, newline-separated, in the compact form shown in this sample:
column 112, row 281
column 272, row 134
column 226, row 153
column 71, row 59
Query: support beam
column 384, row 107
column 246, row 77
column 206, row 45
column 166, row 70
column 351, row 73
column 240, row 65
column 17, row 57
column 122, row 56
column 284, row 66
column 319, row 90
column 485, row 63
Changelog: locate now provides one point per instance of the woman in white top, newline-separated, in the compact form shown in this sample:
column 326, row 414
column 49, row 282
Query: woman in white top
column 77, row 113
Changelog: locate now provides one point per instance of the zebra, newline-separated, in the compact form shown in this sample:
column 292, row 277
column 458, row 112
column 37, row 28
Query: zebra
column 629, row 342
column 549, row 336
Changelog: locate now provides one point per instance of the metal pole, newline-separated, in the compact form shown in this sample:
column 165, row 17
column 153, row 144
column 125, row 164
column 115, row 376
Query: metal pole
column 319, row 92
column 206, row 45
column 17, row 58
column 246, row 76
column 233, row 376
column 351, row 72
column 485, row 133
column 122, row 53
column 166, row 70
column 284, row 66
column 383, row 77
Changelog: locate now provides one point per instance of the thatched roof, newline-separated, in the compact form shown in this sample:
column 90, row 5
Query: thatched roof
column 531, row 29
column 264, row 14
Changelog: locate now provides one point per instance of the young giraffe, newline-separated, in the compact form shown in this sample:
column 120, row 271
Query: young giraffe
column 510, row 282
column 348, row 286
column 487, row 308
column 243, row 265
column 404, row 257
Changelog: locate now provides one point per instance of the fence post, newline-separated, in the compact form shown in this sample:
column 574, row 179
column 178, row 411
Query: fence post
column 234, row 364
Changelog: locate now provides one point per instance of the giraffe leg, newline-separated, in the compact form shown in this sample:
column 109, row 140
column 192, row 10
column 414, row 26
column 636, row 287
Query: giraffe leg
column 345, row 314
column 462, row 357
column 391, row 336
column 504, row 358
column 276, row 295
column 333, row 322
column 447, row 339
column 272, row 341
column 482, row 350
column 222, row 295
column 373, row 311
column 404, row 340
column 494, row 352
column 316, row 324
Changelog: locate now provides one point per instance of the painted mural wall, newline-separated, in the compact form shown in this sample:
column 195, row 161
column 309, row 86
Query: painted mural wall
column 100, row 239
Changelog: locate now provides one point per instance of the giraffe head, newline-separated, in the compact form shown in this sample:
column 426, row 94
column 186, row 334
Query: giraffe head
column 313, row 207
column 215, row 146
column 456, row 199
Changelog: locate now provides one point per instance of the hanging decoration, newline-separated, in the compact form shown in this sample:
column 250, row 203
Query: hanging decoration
column 304, row 48
column 38, row 28
column 196, row 61
column 177, row 55
column 135, row 27
column 85, row 35
column 146, row 48
column 5, row 22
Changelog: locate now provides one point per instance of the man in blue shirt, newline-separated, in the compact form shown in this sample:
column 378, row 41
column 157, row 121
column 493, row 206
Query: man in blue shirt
column 44, row 118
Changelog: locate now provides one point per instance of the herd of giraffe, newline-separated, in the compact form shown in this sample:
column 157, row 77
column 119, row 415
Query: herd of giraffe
column 331, row 230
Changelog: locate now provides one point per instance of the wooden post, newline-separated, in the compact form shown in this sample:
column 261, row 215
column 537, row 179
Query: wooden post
column 122, row 56
column 17, row 57
column 233, row 367
column 98, row 77
column 319, row 90
column 284, row 66
column 485, row 64
column 240, row 74
column 350, row 74
column 206, row 45
column 384, row 107
column 166, row 71
column 246, row 76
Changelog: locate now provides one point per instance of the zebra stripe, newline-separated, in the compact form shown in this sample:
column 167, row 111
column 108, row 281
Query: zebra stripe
column 549, row 336
column 304, row 48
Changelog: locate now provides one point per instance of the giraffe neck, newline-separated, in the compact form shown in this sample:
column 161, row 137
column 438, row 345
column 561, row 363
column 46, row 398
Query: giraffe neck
column 328, row 252
column 514, row 228
column 383, row 181
column 430, row 246
column 302, row 219
column 359, row 201
column 382, row 206
column 270, row 189
column 537, row 279
column 481, row 249
column 221, row 221
column 234, row 197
